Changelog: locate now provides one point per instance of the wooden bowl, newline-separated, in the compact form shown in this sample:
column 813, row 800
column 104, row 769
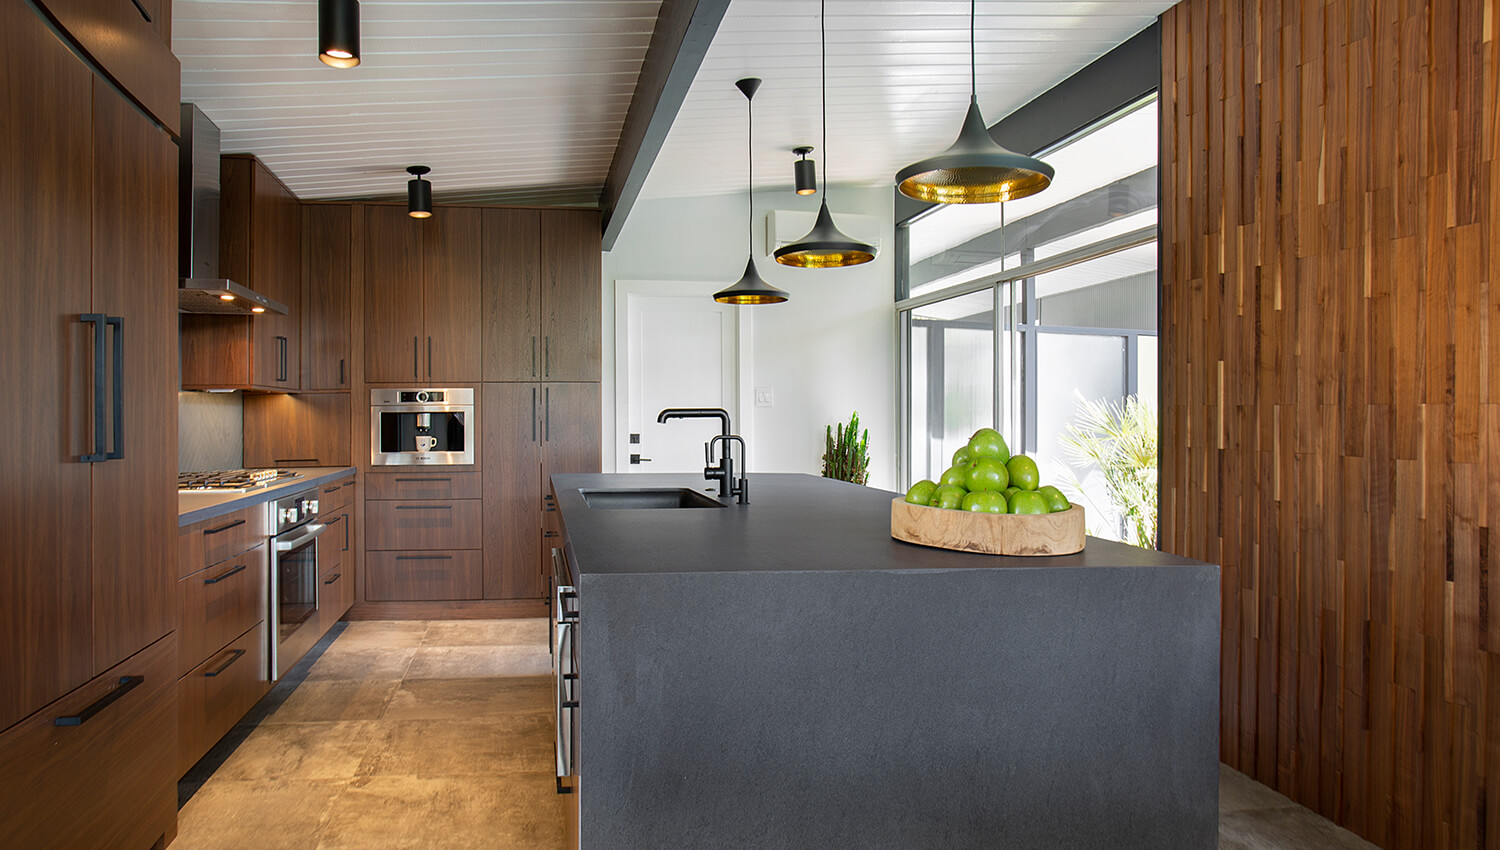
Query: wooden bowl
column 991, row 534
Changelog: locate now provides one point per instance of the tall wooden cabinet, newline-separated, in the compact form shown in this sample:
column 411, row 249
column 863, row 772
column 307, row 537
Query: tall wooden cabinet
column 327, row 297
column 541, row 295
column 422, row 301
column 88, row 210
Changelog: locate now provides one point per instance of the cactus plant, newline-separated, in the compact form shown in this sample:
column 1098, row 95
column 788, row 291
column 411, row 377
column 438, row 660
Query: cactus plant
column 844, row 457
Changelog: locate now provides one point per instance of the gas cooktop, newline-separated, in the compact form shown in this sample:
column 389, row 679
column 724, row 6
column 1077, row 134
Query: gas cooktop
column 231, row 480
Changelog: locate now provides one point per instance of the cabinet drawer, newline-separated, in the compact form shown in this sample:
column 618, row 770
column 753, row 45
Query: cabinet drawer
column 334, row 597
column 206, row 543
column 218, row 692
column 425, row 524
column 108, row 781
column 423, row 576
column 220, row 603
column 333, row 546
column 335, row 495
column 423, row 485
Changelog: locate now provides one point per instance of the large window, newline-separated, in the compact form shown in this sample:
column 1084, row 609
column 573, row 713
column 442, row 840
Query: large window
column 1023, row 316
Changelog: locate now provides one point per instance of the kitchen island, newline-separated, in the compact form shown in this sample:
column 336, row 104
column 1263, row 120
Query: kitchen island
column 784, row 674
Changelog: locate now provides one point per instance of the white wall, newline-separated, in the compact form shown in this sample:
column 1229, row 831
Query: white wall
column 826, row 352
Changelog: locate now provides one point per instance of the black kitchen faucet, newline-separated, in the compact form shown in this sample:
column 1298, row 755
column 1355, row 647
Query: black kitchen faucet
column 724, row 472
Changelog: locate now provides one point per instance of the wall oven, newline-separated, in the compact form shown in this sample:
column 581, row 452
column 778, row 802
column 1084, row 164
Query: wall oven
column 294, row 580
column 422, row 427
column 565, row 671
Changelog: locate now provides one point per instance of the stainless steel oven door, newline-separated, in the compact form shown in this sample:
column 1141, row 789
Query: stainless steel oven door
column 294, row 596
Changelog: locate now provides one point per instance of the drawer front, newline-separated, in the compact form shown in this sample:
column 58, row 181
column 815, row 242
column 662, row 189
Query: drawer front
column 217, row 693
column 108, row 781
column 220, row 603
column 335, row 597
column 333, row 545
column 423, row 485
column 332, row 497
column 425, row 524
column 423, row 576
column 206, row 543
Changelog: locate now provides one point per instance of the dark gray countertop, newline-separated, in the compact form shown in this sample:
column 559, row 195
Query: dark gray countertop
column 194, row 507
column 793, row 523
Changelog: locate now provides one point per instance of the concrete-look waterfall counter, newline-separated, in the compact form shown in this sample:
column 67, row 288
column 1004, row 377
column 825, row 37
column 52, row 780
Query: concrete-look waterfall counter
column 784, row 674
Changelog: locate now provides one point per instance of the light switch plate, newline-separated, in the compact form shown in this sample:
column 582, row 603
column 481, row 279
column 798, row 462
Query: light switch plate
column 765, row 397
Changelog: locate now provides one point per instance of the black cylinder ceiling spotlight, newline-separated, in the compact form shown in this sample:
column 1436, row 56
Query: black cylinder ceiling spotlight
column 824, row 247
column 338, row 32
column 750, row 288
column 418, row 193
column 805, row 171
column 975, row 169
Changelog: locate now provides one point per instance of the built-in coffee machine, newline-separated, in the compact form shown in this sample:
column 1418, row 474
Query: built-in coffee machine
column 422, row 427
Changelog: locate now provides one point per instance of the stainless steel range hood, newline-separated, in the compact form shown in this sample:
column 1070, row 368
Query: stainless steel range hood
column 201, row 289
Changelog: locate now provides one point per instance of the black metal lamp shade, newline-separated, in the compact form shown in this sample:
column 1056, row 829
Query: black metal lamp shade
column 974, row 170
column 338, row 32
column 805, row 171
column 418, row 193
column 751, row 289
column 824, row 247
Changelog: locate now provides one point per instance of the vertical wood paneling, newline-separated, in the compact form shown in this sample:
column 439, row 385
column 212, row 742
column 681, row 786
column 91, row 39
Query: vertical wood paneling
column 1330, row 394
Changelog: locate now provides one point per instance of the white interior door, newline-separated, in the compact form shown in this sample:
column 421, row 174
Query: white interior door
column 681, row 351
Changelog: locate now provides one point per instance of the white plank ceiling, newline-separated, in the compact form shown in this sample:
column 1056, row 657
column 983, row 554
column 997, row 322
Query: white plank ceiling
column 522, row 101
column 898, row 82
column 509, row 101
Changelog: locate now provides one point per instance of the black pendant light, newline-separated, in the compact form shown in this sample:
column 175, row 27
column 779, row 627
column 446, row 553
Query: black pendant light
column 805, row 171
column 975, row 169
column 824, row 247
column 338, row 32
column 418, row 193
column 750, row 289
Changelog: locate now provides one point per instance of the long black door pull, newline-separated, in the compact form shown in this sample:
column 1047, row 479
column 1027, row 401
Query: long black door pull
column 126, row 685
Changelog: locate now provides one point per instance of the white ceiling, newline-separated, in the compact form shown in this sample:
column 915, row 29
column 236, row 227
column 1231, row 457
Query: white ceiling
column 516, row 101
column 898, row 82
column 522, row 101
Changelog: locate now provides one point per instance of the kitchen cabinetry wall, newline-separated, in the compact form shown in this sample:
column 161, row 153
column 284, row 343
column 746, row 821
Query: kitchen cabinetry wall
column 260, row 246
column 87, row 222
column 541, row 295
column 327, row 299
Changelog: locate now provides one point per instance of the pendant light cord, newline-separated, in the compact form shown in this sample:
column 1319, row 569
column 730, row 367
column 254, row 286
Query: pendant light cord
column 750, row 176
column 973, row 77
column 823, row 51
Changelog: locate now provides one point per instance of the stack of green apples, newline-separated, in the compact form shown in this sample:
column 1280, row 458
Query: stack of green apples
column 986, row 478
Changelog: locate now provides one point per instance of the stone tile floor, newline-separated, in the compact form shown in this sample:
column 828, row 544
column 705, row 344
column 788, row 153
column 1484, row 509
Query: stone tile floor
column 404, row 734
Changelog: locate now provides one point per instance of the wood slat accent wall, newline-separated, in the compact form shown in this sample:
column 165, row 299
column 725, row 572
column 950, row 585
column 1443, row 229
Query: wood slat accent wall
column 1331, row 394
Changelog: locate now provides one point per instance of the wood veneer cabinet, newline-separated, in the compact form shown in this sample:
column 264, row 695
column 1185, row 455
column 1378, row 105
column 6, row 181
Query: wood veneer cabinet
column 422, row 296
column 327, row 297
column 310, row 429
column 131, row 42
column 541, row 295
column 260, row 246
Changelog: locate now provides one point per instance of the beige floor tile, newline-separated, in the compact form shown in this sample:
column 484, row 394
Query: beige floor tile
column 510, row 811
column 1238, row 792
column 226, row 815
column 300, row 751
column 381, row 634
column 330, row 700
column 475, row 747
column 458, row 699
column 531, row 632
column 366, row 664
column 468, row 662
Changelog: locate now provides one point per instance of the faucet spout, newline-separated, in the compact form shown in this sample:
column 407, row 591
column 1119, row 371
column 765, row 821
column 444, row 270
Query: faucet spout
column 724, row 472
column 718, row 413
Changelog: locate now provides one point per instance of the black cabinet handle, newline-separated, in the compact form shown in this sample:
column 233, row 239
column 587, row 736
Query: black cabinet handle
column 547, row 357
column 223, row 527
column 424, row 507
column 334, row 579
column 424, row 557
column 421, row 480
column 429, row 357
column 118, row 323
column 126, row 685
column 346, row 533
column 142, row 10
column 216, row 580
column 225, row 666
column 414, row 371
column 281, row 460
column 533, row 414
column 341, row 371
column 533, row 355
column 96, row 388
column 334, row 489
column 547, row 404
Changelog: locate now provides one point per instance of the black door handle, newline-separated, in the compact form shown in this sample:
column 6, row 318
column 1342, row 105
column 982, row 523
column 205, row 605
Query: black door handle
column 96, row 389
column 429, row 357
column 225, row 666
column 547, row 403
column 341, row 371
column 533, row 411
column 424, row 507
column 223, row 527
column 334, row 579
column 533, row 355
column 126, row 685
column 414, row 371
column 118, row 322
column 238, row 569
column 547, row 357
column 142, row 10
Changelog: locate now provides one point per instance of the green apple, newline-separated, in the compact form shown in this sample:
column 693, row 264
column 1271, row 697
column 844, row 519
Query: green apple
column 986, row 502
column 958, row 475
column 962, row 456
column 948, row 496
column 986, row 473
column 1023, row 472
column 1028, row 502
column 1056, row 501
column 1009, row 490
column 987, row 442
column 921, row 492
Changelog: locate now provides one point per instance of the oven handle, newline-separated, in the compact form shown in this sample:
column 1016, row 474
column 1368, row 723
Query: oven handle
column 312, row 530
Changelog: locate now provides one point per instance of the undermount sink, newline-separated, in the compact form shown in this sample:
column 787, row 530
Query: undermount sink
column 659, row 498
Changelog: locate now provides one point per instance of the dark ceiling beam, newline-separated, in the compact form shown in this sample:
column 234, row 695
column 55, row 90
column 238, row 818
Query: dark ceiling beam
column 684, row 29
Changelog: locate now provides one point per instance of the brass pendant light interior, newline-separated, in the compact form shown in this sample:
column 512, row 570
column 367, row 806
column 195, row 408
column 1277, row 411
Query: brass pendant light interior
column 975, row 169
column 750, row 288
column 825, row 246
